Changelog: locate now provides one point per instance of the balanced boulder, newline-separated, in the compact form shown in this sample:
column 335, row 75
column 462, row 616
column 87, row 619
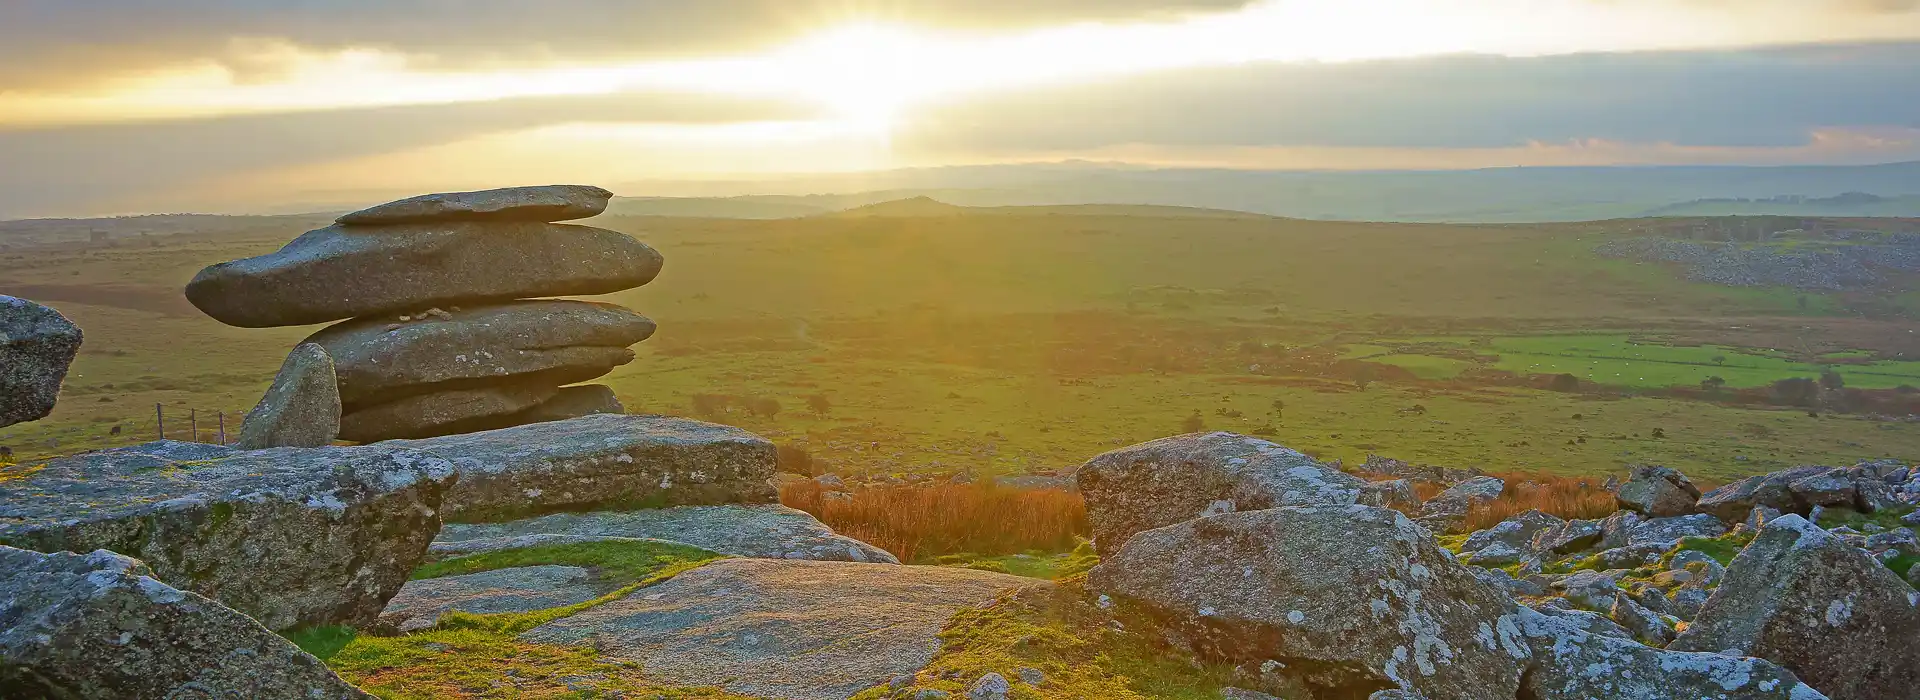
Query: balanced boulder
column 37, row 344
column 540, row 203
column 301, row 409
column 290, row 536
column 1180, row 478
column 99, row 626
column 446, row 412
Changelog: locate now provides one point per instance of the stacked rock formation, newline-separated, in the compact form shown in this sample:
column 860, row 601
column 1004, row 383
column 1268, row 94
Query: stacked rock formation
column 445, row 332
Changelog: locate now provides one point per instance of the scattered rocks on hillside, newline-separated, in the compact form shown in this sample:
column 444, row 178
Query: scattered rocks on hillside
column 1361, row 597
column 419, row 604
column 804, row 630
column 37, row 344
column 1389, row 494
column 301, row 409
column 1568, row 537
column 1799, row 596
column 1388, row 466
column 767, row 531
column 1667, row 532
column 601, row 461
column 1175, row 479
column 1570, row 663
column 545, row 204
column 1511, row 540
column 290, row 536
column 99, row 626
column 1658, row 492
column 1447, row 512
column 1800, row 490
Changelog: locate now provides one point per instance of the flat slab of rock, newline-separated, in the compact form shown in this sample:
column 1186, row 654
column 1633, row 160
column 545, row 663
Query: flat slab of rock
column 572, row 402
column 343, row 272
column 290, row 536
column 540, row 203
column 301, row 409
column 1175, row 479
column 767, row 531
column 37, row 344
column 100, row 626
column 794, row 630
column 562, row 342
column 419, row 604
column 600, row 461
column 449, row 412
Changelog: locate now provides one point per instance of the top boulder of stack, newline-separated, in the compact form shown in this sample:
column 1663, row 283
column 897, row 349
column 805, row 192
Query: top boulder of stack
column 539, row 204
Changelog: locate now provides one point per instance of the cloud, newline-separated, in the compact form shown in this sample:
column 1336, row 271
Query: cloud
column 57, row 43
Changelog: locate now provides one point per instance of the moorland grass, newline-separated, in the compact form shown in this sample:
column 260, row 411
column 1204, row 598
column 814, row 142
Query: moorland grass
column 612, row 562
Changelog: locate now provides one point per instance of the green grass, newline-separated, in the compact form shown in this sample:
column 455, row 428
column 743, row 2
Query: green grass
column 613, row 563
column 1723, row 548
column 1618, row 361
column 1888, row 519
column 1041, row 565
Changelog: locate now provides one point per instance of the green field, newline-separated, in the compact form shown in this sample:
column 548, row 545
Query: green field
column 1012, row 344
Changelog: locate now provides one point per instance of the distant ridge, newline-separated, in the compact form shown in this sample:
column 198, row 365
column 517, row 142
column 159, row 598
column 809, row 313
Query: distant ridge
column 923, row 206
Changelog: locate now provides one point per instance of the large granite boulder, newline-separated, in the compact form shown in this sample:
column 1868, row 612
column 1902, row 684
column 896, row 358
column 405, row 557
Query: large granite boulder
column 1447, row 512
column 301, row 409
column 1658, row 492
column 100, row 627
column 448, row 412
column 290, row 536
column 1664, row 533
column 348, row 271
column 1801, row 597
column 1511, row 540
column 1175, row 479
column 560, row 342
column 572, row 402
column 1800, row 489
column 420, row 603
column 764, row 531
column 1355, row 598
column 37, row 344
column 542, row 203
column 1732, row 502
column 1571, row 663
column 800, row 630
column 1568, row 537
column 601, row 461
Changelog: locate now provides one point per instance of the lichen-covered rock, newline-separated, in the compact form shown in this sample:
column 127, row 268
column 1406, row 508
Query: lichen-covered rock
column 1732, row 502
column 604, row 460
column 1568, row 537
column 1447, row 512
column 350, row 271
column 290, row 536
column 419, row 604
column 1658, row 492
column 1616, row 529
column 1800, row 597
column 1570, row 663
column 301, row 409
column 1356, row 598
column 765, row 531
column 1511, row 540
column 559, row 342
column 100, row 627
column 1175, row 479
column 1645, row 624
column 1667, row 532
column 1389, row 494
column 37, row 344
column 449, row 412
column 539, row 203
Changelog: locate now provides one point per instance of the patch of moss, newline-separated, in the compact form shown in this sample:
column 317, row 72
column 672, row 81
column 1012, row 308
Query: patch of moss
column 612, row 562
column 221, row 514
column 1887, row 518
column 10, row 471
column 1904, row 563
column 1041, row 565
column 1452, row 543
column 1723, row 548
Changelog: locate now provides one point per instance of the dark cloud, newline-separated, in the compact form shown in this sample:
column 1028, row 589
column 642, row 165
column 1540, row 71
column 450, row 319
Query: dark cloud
column 1770, row 97
column 60, row 42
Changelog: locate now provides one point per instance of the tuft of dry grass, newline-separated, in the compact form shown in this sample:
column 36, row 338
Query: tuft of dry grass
column 918, row 523
column 1562, row 496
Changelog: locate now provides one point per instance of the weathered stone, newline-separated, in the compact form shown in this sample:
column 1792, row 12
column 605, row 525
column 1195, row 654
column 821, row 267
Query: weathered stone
column 1899, row 539
column 1593, row 590
column 1688, row 599
column 1800, row 597
column 1615, row 530
column 100, row 627
column 419, row 604
column 1632, row 556
column 1732, row 502
column 768, row 531
column 1388, row 494
column 1667, row 532
column 343, row 272
column 1586, row 621
column 560, row 342
column 1516, row 533
column 601, row 461
column 804, row 630
column 37, row 344
column 290, row 536
column 1567, row 538
column 1570, row 663
column 449, row 412
column 1180, row 478
column 1447, row 512
column 1646, row 625
column 1658, row 492
column 1832, row 488
column 301, row 409
column 1361, row 596
column 571, row 402
column 541, row 203
column 992, row 686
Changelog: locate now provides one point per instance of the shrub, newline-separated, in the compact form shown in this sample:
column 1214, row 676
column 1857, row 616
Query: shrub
column 819, row 404
column 794, row 459
column 918, row 523
column 1193, row 423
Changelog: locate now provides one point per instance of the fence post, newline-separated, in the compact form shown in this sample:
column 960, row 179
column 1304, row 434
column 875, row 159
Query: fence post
column 223, row 427
column 193, row 425
column 160, row 421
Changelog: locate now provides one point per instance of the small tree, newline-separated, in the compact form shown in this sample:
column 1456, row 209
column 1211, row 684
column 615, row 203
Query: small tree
column 1194, row 423
column 1831, row 380
column 819, row 404
column 1713, row 383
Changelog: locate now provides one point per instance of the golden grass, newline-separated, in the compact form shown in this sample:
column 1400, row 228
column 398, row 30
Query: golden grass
column 917, row 523
column 1563, row 496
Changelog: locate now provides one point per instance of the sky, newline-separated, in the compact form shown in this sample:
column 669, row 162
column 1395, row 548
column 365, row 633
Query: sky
column 111, row 106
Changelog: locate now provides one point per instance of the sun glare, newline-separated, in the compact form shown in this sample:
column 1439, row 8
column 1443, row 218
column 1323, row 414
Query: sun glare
column 865, row 72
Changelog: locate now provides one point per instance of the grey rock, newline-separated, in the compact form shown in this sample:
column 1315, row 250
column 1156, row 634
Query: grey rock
column 1499, row 554
column 37, row 344
column 831, row 481
column 1570, row 663
column 301, row 409
column 1036, row 482
column 1757, row 518
column 768, row 531
column 1179, row 478
column 100, row 626
column 1688, row 600
column 601, row 461
column 1650, row 597
column 1388, row 494
column 1831, row 488
column 1645, row 624
column 540, row 203
column 343, row 272
column 1567, row 538
column 992, row 686
column 559, row 342
column 449, row 412
column 1801, row 598
column 1593, row 590
column 1684, row 557
column 932, row 694
column 1447, row 512
column 1732, row 502
column 1030, row 675
column 419, row 604
column 1669, row 531
column 290, row 536
column 1232, row 693
column 1360, row 594
column 572, row 402
column 1901, row 540
column 1632, row 556
column 1615, row 529
column 1388, row 695
column 1587, row 621
column 1658, row 492
column 804, row 630
column 1516, row 533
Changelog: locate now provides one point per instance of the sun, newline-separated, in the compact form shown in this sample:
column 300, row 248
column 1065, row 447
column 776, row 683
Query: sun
column 866, row 72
